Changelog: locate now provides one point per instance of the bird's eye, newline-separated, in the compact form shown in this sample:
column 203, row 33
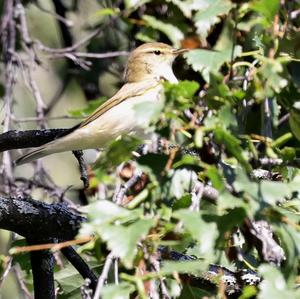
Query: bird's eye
column 157, row 52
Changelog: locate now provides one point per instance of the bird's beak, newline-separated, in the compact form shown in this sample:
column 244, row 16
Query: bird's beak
column 179, row 51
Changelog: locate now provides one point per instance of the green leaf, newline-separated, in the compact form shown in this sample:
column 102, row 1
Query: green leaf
column 243, row 183
column 181, row 182
column 274, row 286
column 193, row 266
column 119, row 227
column 104, row 211
column 118, row 151
column 91, row 107
column 207, row 61
column 183, row 202
column 272, row 82
column 122, row 240
column 204, row 232
column 267, row 8
column 184, row 89
column 120, row 291
column 216, row 178
column 70, row 281
column 273, row 192
column 189, row 292
column 232, row 144
column 172, row 32
column 207, row 17
column 227, row 118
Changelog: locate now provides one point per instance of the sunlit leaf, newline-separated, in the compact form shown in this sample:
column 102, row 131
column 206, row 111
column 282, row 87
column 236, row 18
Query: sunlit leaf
column 274, row 285
column 172, row 32
column 208, row 16
column 206, row 61
column 120, row 291
column 122, row 240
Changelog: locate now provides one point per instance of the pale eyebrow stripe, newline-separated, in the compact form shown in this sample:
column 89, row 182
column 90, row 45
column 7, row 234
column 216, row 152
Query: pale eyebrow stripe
column 155, row 49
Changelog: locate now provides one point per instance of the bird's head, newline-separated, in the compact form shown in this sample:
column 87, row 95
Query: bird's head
column 152, row 61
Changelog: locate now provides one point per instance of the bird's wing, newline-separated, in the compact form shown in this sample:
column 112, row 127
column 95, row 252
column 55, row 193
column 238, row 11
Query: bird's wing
column 128, row 90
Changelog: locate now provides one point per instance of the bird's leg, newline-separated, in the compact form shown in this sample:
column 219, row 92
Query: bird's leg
column 82, row 167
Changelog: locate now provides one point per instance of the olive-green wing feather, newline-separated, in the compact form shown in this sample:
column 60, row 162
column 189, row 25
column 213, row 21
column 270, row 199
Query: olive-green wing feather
column 128, row 90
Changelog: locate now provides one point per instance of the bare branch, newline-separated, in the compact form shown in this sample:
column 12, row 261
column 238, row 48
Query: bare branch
column 104, row 275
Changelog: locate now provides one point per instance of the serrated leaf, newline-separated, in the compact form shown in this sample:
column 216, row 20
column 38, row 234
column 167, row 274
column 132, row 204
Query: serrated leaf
column 104, row 211
column 193, row 266
column 274, row 191
column 183, row 202
column 267, row 8
column 206, row 18
column 206, row 61
column 181, row 182
column 70, row 281
column 232, row 145
column 118, row 151
column 172, row 32
column 184, row 89
column 204, row 232
column 273, row 285
column 120, row 291
column 122, row 240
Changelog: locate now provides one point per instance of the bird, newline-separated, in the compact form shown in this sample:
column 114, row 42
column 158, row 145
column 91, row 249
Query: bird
column 148, row 66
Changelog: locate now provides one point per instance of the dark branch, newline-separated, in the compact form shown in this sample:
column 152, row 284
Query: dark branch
column 40, row 221
column 80, row 265
column 25, row 139
column 42, row 264
column 82, row 167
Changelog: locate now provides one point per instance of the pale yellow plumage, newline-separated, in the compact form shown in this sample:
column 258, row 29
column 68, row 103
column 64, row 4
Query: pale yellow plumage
column 147, row 67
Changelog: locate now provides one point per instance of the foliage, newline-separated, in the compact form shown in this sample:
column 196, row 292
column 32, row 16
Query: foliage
column 236, row 106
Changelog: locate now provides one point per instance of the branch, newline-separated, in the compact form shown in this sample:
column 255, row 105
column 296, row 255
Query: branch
column 233, row 281
column 39, row 221
column 25, row 139
column 80, row 265
column 82, row 168
column 104, row 275
column 42, row 264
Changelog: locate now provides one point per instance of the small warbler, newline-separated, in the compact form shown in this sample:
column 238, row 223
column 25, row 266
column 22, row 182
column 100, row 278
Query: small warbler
column 147, row 67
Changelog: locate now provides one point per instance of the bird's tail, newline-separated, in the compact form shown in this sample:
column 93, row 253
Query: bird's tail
column 35, row 154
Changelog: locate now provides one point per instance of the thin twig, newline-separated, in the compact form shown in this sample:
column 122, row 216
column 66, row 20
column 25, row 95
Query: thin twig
column 8, row 34
column 104, row 275
column 197, row 194
column 89, row 55
column 67, row 22
column 119, row 195
column 6, row 271
column 83, row 168
column 21, row 282
column 72, row 48
column 156, row 266
column 52, row 246
column 267, row 119
column 116, row 270
column 28, row 46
